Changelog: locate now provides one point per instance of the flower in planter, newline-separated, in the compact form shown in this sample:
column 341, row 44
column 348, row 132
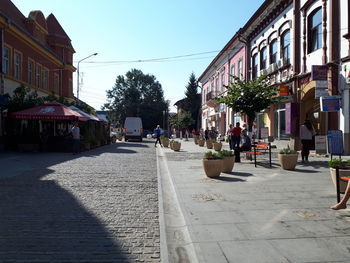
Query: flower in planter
column 212, row 156
column 334, row 163
column 226, row 153
column 287, row 151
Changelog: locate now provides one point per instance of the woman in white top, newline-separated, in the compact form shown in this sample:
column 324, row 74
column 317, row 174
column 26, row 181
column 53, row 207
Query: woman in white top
column 306, row 133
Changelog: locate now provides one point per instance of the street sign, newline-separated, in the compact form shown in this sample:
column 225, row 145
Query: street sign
column 321, row 144
column 335, row 142
column 330, row 103
column 319, row 72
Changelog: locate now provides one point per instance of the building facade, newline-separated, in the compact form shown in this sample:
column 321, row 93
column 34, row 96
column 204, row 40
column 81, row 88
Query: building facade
column 36, row 52
column 303, row 45
column 229, row 62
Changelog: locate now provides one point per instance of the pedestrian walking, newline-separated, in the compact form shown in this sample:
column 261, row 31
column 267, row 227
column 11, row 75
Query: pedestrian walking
column 206, row 134
column 157, row 132
column 236, row 135
column 229, row 136
column 76, row 137
column 306, row 136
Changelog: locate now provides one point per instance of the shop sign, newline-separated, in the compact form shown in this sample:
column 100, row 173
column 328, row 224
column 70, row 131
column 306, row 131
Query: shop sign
column 283, row 90
column 335, row 142
column 321, row 144
column 321, row 88
column 330, row 103
column 319, row 72
column 222, row 107
column 291, row 116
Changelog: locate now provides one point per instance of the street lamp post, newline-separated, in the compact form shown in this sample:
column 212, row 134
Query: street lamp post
column 78, row 73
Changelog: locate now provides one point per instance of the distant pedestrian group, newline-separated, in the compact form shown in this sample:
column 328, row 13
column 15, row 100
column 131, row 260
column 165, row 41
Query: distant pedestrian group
column 238, row 138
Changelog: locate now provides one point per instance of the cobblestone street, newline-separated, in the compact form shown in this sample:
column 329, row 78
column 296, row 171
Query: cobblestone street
column 99, row 206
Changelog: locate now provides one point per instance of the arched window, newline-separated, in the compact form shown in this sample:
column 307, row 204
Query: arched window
column 315, row 30
column 285, row 45
column 273, row 51
column 254, row 66
column 263, row 58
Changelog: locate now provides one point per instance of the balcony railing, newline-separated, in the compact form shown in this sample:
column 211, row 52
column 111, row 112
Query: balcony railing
column 211, row 95
column 210, row 99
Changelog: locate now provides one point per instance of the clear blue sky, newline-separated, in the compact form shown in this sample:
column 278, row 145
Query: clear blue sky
column 126, row 30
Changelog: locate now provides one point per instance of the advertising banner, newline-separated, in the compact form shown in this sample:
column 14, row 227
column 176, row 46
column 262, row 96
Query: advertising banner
column 335, row 142
column 319, row 72
column 291, row 116
column 330, row 103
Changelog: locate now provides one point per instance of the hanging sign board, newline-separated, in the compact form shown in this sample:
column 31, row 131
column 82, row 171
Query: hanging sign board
column 330, row 103
column 319, row 72
column 283, row 90
column 335, row 142
column 321, row 88
column 321, row 144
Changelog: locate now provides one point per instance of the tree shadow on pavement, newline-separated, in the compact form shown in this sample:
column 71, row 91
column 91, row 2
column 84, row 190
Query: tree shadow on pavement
column 229, row 179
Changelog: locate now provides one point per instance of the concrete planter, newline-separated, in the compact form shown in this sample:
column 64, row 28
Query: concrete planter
column 212, row 168
column 209, row 144
column 288, row 161
column 342, row 173
column 217, row 146
column 196, row 139
column 165, row 142
column 227, row 164
column 201, row 143
column 176, row 146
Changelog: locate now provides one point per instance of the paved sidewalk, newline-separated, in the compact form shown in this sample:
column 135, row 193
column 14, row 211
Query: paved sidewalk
column 252, row 214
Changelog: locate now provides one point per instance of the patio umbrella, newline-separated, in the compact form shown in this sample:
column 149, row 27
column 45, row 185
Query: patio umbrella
column 87, row 115
column 49, row 111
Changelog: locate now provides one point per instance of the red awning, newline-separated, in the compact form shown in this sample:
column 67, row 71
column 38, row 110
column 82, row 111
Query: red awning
column 49, row 111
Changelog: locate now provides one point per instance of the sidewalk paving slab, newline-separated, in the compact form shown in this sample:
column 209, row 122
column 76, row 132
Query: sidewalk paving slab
column 258, row 214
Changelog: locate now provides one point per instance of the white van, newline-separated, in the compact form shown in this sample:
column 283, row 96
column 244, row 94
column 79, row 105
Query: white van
column 133, row 128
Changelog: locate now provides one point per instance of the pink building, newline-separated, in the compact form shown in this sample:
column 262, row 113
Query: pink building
column 229, row 62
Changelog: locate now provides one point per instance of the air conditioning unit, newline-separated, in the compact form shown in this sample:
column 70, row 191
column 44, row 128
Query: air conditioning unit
column 273, row 67
column 263, row 72
column 282, row 62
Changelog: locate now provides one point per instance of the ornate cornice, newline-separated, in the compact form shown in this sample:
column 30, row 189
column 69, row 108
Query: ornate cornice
column 264, row 16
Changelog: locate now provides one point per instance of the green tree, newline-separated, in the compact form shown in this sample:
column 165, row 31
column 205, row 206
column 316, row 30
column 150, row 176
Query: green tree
column 137, row 94
column 22, row 98
column 182, row 120
column 192, row 101
column 250, row 96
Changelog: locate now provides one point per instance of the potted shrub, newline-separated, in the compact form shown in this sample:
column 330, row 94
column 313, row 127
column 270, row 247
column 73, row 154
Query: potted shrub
column 344, row 171
column 288, row 158
column 171, row 144
column 217, row 146
column 196, row 138
column 209, row 144
column 212, row 164
column 176, row 146
column 228, row 161
column 164, row 140
column 201, row 142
